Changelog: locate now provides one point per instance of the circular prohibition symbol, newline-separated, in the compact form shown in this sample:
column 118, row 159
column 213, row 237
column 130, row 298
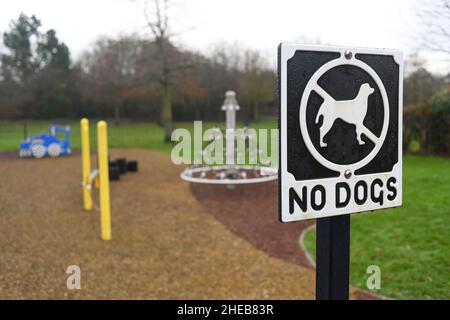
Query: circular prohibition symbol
column 356, row 116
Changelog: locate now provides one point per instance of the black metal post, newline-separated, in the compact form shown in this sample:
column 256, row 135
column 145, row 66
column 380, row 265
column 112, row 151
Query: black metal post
column 333, row 258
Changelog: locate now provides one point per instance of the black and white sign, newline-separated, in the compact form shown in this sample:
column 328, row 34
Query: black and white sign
column 340, row 130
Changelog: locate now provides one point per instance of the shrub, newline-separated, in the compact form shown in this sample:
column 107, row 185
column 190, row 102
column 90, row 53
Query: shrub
column 426, row 127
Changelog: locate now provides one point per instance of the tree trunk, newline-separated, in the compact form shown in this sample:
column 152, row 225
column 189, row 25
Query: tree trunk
column 166, row 113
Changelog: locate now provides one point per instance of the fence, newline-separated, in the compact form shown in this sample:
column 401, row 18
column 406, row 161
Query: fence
column 425, row 131
column 125, row 135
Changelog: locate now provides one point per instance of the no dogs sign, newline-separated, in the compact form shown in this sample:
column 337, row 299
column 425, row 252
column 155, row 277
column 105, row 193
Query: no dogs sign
column 340, row 130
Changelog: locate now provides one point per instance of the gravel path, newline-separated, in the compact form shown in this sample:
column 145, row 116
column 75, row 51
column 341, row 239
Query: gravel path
column 251, row 212
column 166, row 245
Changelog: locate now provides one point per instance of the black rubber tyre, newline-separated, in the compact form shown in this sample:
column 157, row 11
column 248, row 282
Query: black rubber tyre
column 122, row 164
column 113, row 163
column 132, row 166
column 114, row 173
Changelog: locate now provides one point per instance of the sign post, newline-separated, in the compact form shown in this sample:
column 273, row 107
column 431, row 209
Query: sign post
column 340, row 145
column 332, row 258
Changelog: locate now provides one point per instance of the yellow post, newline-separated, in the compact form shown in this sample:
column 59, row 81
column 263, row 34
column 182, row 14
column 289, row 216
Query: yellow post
column 103, row 167
column 86, row 163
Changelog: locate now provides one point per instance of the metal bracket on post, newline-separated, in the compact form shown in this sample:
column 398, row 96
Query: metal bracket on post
column 333, row 258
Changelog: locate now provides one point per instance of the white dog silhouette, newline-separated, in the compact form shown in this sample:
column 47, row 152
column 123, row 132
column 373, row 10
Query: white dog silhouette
column 351, row 111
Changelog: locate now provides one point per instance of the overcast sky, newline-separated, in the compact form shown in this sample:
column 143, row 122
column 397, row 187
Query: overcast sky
column 259, row 24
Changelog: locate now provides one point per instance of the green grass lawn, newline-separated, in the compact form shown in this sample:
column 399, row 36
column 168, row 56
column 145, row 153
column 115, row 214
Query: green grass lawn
column 410, row 244
column 124, row 135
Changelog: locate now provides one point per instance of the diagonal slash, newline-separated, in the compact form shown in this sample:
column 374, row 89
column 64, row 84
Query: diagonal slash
column 370, row 135
column 321, row 92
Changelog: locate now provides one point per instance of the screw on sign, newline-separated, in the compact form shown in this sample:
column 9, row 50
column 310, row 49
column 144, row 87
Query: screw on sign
column 340, row 145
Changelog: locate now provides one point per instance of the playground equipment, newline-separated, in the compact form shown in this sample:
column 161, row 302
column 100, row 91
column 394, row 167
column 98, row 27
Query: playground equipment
column 230, row 174
column 47, row 144
column 121, row 166
column 99, row 177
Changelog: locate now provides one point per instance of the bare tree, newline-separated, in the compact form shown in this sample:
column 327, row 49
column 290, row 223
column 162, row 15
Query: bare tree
column 110, row 70
column 245, row 71
column 257, row 82
column 435, row 18
column 156, row 13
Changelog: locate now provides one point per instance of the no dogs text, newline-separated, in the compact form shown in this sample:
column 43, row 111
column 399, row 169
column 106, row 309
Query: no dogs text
column 360, row 192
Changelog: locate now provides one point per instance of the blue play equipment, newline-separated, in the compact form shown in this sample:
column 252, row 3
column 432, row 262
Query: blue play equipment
column 47, row 144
